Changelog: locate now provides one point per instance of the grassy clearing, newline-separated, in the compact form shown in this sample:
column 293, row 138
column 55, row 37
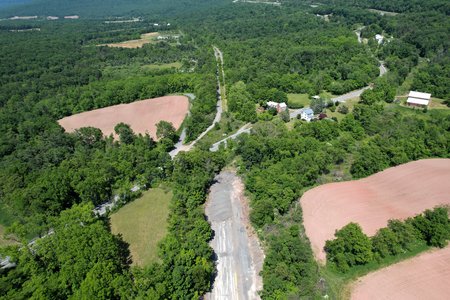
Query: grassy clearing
column 136, row 69
column 383, row 12
column 326, row 95
column 437, row 103
column 226, row 127
column 339, row 284
column 349, row 103
column 4, row 241
column 143, row 223
column 339, row 173
column 175, row 65
column 298, row 100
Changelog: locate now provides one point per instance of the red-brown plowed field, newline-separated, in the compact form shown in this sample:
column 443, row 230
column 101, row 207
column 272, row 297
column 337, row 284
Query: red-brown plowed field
column 426, row 276
column 142, row 116
column 396, row 193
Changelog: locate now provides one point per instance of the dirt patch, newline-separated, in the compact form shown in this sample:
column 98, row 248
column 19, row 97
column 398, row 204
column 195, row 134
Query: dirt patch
column 426, row 276
column 133, row 44
column 239, row 254
column 396, row 193
column 142, row 116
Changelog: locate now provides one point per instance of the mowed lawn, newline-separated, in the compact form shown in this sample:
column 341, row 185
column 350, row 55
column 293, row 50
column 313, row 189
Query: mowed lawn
column 349, row 103
column 142, row 224
column 175, row 65
column 298, row 100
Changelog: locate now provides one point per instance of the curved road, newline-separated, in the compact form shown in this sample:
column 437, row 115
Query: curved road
column 357, row 93
column 179, row 146
column 244, row 129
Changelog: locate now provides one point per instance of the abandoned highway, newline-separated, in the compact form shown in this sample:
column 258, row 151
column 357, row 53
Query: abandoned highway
column 239, row 255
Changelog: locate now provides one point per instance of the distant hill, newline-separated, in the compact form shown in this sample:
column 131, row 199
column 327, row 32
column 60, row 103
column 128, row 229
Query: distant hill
column 9, row 3
column 103, row 8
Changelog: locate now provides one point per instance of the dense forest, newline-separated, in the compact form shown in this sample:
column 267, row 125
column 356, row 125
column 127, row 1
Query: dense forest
column 114, row 8
column 51, row 180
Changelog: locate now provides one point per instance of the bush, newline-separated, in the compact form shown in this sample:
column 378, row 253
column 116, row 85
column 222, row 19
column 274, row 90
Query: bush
column 343, row 109
column 351, row 247
column 284, row 115
column 434, row 226
column 386, row 243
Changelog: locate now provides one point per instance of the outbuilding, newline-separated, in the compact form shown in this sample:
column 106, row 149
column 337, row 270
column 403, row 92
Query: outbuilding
column 418, row 99
column 379, row 38
column 278, row 106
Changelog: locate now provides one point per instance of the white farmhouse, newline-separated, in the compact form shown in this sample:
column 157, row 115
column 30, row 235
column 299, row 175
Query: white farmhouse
column 307, row 114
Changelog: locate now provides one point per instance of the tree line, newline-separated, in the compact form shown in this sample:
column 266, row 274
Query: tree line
column 352, row 248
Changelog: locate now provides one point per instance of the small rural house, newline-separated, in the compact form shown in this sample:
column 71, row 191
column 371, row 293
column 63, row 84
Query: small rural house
column 379, row 38
column 278, row 106
column 307, row 114
column 418, row 99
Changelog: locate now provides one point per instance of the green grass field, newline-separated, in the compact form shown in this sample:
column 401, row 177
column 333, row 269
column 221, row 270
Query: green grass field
column 3, row 241
column 175, row 65
column 298, row 100
column 135, row 69
column 227, row 126
column 349, row 103
column 143, row 223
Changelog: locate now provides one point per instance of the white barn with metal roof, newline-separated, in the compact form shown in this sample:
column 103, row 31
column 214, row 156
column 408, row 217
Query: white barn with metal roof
column 418, row 99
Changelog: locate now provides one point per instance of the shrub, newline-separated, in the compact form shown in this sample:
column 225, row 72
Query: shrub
column 351, row 247
column 343, row 109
